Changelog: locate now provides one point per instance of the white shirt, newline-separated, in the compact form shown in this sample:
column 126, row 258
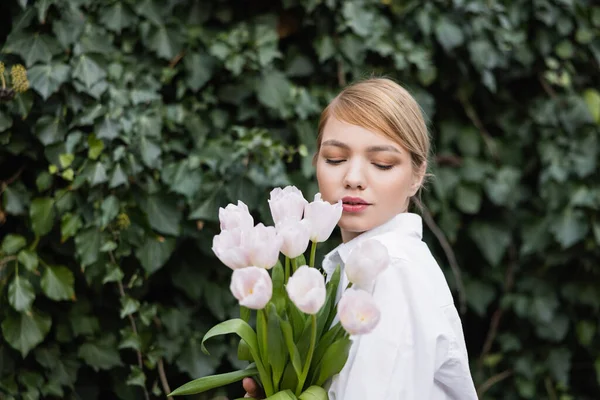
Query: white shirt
column 417, row 351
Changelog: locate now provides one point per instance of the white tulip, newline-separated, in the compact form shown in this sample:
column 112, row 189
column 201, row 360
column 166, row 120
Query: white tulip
column 358, row 312
column 228, row 247
column 322, row 217
column 286, row 203
column 233, row 216
column 295, row 235
column 252, row 287
column 366, row 262
column 262, row 244
column 306, row 289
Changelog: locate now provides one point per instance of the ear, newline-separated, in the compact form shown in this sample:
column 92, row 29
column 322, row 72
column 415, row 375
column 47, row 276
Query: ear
column 418, row 178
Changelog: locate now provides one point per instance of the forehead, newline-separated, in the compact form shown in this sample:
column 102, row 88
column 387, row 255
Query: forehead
column 355, row 136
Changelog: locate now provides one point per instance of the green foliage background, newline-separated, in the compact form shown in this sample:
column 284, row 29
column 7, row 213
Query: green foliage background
column 145, row 116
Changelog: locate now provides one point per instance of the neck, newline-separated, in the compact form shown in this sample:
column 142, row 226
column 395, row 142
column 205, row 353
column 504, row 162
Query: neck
column 348, row 236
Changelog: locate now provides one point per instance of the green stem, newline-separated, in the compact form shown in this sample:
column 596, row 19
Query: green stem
column 311, row 350
column 294, row 266
column 287, row 269
column 313, row 252
column 266, row 379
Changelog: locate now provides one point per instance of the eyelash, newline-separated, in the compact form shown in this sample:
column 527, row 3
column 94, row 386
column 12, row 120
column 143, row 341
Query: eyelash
column 379, row 166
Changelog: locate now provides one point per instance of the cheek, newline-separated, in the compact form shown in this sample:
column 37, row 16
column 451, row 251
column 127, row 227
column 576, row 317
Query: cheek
column 326, row 181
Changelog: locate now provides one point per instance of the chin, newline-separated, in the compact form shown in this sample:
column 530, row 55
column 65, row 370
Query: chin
column 353, row 223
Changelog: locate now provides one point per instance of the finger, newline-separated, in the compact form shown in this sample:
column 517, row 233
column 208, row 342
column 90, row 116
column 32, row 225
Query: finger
column 250, row 387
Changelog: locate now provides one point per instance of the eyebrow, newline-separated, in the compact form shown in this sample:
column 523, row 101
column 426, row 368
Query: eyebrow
column 371, row 149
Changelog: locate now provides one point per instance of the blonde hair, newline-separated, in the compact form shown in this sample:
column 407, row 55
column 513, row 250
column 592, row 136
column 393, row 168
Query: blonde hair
column 381, row 105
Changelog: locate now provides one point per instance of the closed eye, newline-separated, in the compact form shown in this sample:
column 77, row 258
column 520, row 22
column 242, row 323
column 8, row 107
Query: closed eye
column 383, row 167
column 333, row 162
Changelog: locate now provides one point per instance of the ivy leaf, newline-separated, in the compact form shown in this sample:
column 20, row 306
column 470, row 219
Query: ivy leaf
column 57, row 283
column 274, row 90
column 97, row 174
column 110, row 210
column 570, row 227
column 88, row 71
column 42, row 215
column 199, row 67
column 118, row 177
column 592, row 99
column 5, row 121
column 95, row 147
column 25, row 331
column 117, row 17
column 129, row 306
column 29, row 259
column 50, row 130
column 468, row 199
column 492, row 241
column 136, row 377
column 150, row 152
column 34, row 48
column 12, row 243
column 448, row 34
column 47, row 79
column 69, row 226
column 21, row 294
column 102, row 354
column 165, row 43
column 88, row 244
column 163, row 214
column 154, row 253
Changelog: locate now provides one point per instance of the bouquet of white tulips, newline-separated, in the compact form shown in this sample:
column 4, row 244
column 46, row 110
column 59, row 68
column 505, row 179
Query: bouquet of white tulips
column 295, row 347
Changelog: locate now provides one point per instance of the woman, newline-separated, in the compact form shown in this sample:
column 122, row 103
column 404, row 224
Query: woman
column 372, row 152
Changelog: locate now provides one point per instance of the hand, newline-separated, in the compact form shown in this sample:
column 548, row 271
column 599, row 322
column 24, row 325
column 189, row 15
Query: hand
column 252, row 389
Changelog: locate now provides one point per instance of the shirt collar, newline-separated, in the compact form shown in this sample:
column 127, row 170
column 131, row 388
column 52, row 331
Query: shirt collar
column 404, row 224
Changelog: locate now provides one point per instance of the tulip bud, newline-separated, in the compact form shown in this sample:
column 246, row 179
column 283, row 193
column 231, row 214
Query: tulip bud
column 233, row 216
column 252, row 287
column 322, row 217
column 358, row 312
column 366, row 262
column 286, row 203
column 227, row 246
column 306, row 289
column 295, row 235
column 262, row 244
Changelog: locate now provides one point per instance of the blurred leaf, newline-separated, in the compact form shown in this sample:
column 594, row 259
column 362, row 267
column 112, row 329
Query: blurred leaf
column 42, row 215
column 570, row 227
column 12, row 243
column 154, row 253
column 57, row 283
column 448, row 34
column 592, row 99
column 88, row 71
column 25, row 331
column 29, row 259
column 33, row 48
column 47, row 79
column 492, row 240
column 163, row 214
column 101, row 354
column 21, row 294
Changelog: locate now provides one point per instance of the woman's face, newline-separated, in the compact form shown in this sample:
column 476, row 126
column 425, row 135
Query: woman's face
column 371, row 174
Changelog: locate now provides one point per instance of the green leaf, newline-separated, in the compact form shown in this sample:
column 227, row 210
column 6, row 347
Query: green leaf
column 88, row 71
column 285, row 395
column 95, row 147
column 165, row 43
column 12, row 243
column 592, row 99
column 50, row 130
column 288, row 335
column 154, row 253
column 47, row 79
column 199, row 67
column 5, row 121
column 97, row 174
column 203, row 384
column 21, row 294
column 100, row 355
column 570, row 227
column 70, row 224
column 163, row 214
column 42, row 215
column 29, row 259
column 277, row 347
column 110, row 209
column 448, row 34
column 333, row 360
column 87, row 244
column 25, row 331
column 118, row 177
column 34, row 48
column 57, row 283
column 113, row 274
column 129, row 306
column 492, row 240
column 274, row 90
column 136, row 377
column 479, row 296
column 117, row 17
column 150, row 153
column 468, row 199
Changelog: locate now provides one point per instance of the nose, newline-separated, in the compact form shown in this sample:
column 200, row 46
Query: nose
column 355, row 177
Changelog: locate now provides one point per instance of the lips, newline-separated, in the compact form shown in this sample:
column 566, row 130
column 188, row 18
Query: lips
column 355, row 201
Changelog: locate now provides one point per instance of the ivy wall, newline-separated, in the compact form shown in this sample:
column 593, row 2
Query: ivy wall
column 143, row 117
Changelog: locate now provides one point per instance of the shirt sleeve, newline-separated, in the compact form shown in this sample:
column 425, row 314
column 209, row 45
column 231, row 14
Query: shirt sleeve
column 400, row 357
